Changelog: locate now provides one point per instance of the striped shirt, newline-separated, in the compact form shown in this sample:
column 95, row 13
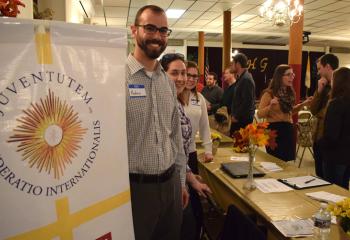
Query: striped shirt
column 152, row 122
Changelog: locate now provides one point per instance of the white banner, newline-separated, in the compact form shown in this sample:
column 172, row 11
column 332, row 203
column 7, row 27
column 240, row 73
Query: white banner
column 63, row 147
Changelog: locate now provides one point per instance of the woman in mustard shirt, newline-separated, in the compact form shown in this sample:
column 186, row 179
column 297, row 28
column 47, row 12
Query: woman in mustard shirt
column 277, row 105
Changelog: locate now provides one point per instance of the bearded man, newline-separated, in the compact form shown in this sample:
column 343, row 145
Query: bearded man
column 156, row 155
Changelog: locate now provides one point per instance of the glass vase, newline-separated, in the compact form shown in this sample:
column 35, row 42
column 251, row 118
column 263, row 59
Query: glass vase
column 215, row 146
column 250, row 183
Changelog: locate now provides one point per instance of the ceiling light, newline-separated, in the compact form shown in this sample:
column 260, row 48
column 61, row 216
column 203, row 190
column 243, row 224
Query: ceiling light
column 174, row 13
column 235, row 52
column 281, row 11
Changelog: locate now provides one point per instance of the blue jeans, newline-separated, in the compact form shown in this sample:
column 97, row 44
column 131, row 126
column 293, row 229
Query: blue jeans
column 336, row 173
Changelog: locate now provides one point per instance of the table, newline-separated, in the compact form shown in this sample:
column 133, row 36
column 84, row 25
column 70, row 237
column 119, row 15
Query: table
column 225, row 140
column 267, row 206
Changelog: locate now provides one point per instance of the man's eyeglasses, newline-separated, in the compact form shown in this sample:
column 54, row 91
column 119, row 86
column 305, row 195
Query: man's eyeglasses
column 152, row 29
column 194, row 77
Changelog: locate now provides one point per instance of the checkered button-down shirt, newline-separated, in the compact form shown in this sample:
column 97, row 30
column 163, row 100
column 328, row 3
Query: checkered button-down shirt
column 153, row 122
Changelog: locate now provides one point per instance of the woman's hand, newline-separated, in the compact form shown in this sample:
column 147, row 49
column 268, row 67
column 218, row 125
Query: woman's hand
column 308, row 101
column 208, row 157
column 274, row 101
column 201, row 188
column 196, row 184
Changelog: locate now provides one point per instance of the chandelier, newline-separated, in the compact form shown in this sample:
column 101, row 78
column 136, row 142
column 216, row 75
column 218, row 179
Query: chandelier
column 281, row 12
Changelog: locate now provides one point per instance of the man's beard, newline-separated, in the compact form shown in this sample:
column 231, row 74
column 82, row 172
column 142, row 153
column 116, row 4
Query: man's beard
column 152, row 54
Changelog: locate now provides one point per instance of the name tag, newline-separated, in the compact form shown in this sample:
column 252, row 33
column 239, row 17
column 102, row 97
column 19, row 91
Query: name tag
column 137, row 91
column 194, row 102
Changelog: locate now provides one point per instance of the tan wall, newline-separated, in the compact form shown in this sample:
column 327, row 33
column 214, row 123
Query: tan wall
column 27, row 12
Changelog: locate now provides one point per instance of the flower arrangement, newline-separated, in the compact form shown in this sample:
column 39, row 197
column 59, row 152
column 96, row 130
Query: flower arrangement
column 342, row 211
column 9, row 8
column 256, row 134
column 215, row 137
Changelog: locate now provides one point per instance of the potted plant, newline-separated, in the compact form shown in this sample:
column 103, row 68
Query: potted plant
column 342, row 211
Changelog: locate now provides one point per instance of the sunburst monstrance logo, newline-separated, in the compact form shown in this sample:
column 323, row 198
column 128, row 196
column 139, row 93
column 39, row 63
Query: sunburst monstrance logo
column 49, row 135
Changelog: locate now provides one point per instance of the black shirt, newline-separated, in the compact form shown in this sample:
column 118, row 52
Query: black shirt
column 243, row 105
column 214, row 96
column 227, row 98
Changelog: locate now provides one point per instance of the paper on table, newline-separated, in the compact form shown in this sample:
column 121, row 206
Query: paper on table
column 325, row 196
column 269, row 185
column 305, row 181
column 239, row 158
column 270, row 166
column 295, row 228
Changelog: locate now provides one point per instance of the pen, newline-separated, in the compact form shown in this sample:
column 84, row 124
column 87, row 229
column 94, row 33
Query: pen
column 309, row 181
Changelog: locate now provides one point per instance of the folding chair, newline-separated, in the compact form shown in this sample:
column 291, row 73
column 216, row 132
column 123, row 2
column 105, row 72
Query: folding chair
column 305, row 126
column 256, row 118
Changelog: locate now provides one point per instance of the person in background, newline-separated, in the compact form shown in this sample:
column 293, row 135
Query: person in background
column 223, row 114
column 335, row 142
column 174, row 65
column 243, row 103
column 157, row 162
column 277, row 105
column 212, row 93
column 230, row 80
column 326, row 65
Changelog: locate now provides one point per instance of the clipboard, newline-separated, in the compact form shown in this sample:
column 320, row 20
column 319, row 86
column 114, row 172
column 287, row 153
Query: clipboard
column 304, row 182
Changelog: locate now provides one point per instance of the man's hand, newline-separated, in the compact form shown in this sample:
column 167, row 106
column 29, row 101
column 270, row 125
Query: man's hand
column 322, row 82
column 185, row 197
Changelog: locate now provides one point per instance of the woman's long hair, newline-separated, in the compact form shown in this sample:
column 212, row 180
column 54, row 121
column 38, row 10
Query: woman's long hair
column 341, row 83
column 286, row 95
column 165, row 62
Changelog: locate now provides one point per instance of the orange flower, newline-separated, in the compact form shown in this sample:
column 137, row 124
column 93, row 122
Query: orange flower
column 254, row 133
column 9, row 8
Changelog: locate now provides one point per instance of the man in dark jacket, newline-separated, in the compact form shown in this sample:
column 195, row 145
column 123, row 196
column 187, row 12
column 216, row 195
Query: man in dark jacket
column 243, row 105
column 326, row 65
column 230, row 80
